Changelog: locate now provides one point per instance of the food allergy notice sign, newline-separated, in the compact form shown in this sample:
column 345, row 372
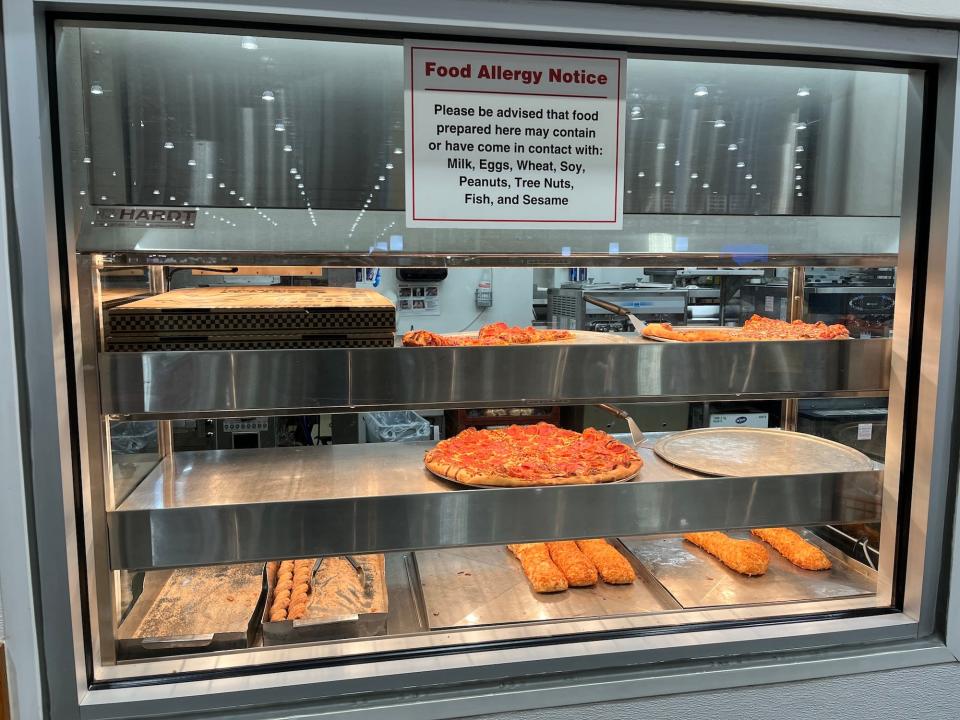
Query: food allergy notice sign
column 504, row 137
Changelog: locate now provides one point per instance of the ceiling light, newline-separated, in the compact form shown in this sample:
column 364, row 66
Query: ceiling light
column 293, row 171
column 209, row 176
column 636, row 112
column 748, row 176
column 798, row 177
column 103, row 197
column 279, row 127
column 267, row 96
column 756, row 193
column 657, row 184
column 694, row 176
column 799, row 194
column 240, row 198
column 719, row 123
column 799, row 148
column 300, row 186
column 641, row 174
column 168, row 145
column 83, row 192
column 96, row 89
column 732, row 146
column 803, row 91
column 398, row 151
column 741, row 163
column 700, row 91
column 676, row 163
column 800, row 126
column 706, row 185
column 222, row 185
column 376, row 187
column 753, row 187
column 388, row 166
column 87, row 160
column 233, row 192
column 156, row 192
column 382, row 178
column 288, row 148
column 173, row 197
column 661, row 146
column 192, row 163
column 797, row 187
column 249, row 43
column 798, row 166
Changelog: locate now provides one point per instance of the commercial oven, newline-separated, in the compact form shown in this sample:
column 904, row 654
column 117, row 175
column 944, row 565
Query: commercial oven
column 284, row 146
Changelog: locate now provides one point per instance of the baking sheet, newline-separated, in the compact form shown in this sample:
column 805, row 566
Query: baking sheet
column 360, row 612
column 466, row 587
column 742, row 452
column 696, row 579
column 733, row 338
column 207, row 608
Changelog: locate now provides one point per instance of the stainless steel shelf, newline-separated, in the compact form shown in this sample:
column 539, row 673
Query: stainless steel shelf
column 208, row 384
column 249, row 505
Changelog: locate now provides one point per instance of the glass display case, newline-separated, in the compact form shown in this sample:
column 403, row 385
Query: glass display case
column 213, row 444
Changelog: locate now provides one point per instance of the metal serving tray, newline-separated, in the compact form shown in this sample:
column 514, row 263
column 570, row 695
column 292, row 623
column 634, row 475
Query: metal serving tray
column 697, row 580
column 467, row 587
column 758, row 451
column 193, row 609
column 329, row 627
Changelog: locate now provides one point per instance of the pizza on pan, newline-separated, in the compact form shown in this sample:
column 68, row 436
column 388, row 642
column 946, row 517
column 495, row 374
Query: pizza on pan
column 493, row 334
column 531, row 455
column 756, row 328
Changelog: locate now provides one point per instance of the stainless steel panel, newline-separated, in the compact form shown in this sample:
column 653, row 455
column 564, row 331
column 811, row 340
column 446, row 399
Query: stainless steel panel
column 238, row 236
column 248, row 505
column 468, row 587
column 181, row 384
column 209, row 122
column 697, row 579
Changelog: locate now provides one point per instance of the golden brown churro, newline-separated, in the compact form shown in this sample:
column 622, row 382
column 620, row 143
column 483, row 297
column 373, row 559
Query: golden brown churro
column 612, row 566
column 543, row 574
column 794, row 548
column 743, row 556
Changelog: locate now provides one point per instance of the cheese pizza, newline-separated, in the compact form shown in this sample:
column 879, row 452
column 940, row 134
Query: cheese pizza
column 532, row 455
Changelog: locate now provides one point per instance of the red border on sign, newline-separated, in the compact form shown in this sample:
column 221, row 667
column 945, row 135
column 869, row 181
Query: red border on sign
column 413, row 153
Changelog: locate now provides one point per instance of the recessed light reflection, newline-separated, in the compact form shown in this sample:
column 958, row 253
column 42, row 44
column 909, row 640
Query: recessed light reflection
column 798, row 177
column 293, row 171
column 694, row 176
column 748, row 176
column 803, row 91
column 701, row 91
column 719, row 123
column 382, row 178
column 753, row 187
column 376, row 187
column 96, row 89
column 209, row 176
column 706, row 185
column 641, row 174
column 388, row 166
column 267, row 96
column 87, row 161
column 168, row 145
column 288, row 148
column 280, row 127
column 676, row 163
column 300, row 186
column 657, row 183
column 192, row 163
column 732, row 146
column 156, row 192
column 661, row 146
column 398, row 151
column 249, row 42
column 222, row 185
column 741, row 164
column 800, row 126
column 799, row 148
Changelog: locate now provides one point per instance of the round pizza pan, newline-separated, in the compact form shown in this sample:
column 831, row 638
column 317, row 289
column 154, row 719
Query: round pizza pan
column 502, row 487
column 740, row 452
column 691, row 329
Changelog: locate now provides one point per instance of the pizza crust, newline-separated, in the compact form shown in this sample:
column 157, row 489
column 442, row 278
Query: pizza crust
column 470, row 477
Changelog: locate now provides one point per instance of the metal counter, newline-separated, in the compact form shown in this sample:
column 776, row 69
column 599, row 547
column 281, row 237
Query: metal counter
column 222, row 383
column 243, row 505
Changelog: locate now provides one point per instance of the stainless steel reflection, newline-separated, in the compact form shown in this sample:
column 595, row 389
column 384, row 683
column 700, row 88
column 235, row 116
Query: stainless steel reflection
column 198, row 104
column 207, row 383
column 237, row 236
column 248, row 505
